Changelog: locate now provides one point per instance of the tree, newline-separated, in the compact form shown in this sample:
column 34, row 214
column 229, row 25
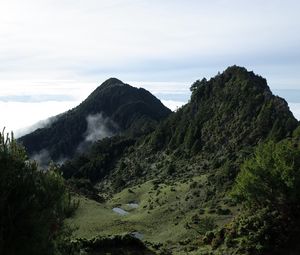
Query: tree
column 33, row 204
column 269, row 187
column 197, row 84
column 272, row 177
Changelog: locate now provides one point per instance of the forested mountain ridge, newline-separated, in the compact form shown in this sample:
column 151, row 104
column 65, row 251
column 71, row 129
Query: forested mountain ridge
column 113, row 108
column 226, row 117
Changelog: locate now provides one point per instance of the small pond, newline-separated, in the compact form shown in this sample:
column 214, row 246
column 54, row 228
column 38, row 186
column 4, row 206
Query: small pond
column 120, row 211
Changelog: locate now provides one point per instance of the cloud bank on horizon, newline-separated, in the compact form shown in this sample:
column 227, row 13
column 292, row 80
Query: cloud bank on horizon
column 53, row 53
column 23, row 116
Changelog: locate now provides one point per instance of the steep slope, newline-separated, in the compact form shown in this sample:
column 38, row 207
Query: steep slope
column 113, row 108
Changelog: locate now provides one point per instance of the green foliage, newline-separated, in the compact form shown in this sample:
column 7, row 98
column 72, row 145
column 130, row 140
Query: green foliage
column 119, row 244
column 206, row 224
column 272, row 177
column 251, row 233
column 171, row 169
column 269, row 187
column 115, row 244
column 33, row 204
column 84, row 187
column 99, row 161
column 197, row 84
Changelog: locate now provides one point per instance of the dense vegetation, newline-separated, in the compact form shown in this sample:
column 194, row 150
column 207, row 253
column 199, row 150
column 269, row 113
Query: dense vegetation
column 33, row 204
column 114, row 245
column 125, row 110
column 268, row 186
column 225, row 119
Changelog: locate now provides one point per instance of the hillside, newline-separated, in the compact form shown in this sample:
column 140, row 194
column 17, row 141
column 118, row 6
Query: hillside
column 113, row 108
column 181, row 174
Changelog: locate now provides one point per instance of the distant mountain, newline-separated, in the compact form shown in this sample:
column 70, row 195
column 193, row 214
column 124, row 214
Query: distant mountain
column 113, row 108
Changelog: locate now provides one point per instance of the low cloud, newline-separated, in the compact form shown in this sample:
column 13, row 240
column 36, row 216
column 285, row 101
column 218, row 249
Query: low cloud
column 173, row 105
column 20, row 117
column 40, row 124
column 42, row 159
column 98, row 127
column 36, row 98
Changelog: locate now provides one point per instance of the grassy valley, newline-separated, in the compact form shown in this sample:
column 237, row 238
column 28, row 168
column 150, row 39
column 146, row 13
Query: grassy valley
column 167, row 215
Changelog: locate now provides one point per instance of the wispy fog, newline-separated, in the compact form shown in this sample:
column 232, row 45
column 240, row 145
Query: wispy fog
column 39, row 124
column 99, row 127
column 42, row 158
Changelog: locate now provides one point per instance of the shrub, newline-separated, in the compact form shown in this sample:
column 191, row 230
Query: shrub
column 33, row 204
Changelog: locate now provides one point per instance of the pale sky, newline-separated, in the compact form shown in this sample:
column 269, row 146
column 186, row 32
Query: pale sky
column 53, row 53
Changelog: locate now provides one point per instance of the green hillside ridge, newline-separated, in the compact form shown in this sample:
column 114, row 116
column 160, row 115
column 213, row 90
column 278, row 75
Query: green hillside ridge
column 225, row 119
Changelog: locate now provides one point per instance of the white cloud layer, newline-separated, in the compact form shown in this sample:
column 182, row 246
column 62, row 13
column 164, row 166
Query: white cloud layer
column 295, row 108
column 173, row 105
column 20, row 116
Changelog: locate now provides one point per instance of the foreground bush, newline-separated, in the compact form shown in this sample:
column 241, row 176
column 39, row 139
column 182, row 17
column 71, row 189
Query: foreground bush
column 33, row 204
column 268, row 186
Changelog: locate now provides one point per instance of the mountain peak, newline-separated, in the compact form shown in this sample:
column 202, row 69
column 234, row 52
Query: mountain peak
column 242, row 74
column 233, row 81
column 236, row 69
column 112, row 82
